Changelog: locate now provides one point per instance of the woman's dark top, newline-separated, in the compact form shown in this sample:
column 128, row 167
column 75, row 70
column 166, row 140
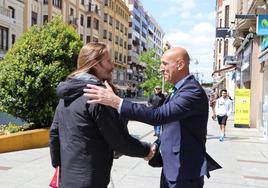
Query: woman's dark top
column 83, row 137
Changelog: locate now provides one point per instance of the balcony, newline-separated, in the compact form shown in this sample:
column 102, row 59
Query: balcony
column 223, row 32
column 5, row 11
column 73, row 21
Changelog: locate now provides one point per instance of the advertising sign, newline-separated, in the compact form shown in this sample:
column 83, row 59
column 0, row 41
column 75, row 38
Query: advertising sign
column 242, row 108
column 262, row 24
column 264, row 42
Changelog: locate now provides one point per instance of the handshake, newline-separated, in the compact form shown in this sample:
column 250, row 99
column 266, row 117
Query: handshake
column 152, row 152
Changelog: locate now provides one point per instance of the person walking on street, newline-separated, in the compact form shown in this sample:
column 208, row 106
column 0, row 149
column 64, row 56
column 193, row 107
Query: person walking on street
column 223, row 109
column 83, row 136
column 154, row 101
column 212, row 103
column 183, row 116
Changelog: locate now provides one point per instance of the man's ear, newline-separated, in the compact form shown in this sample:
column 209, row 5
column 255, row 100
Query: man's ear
column 180, row 64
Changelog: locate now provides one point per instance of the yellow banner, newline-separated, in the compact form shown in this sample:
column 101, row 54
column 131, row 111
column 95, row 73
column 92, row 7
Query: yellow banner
column 242, row 107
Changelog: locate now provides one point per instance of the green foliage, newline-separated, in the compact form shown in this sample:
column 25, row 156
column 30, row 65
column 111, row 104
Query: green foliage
column 10, row 128
column 152, row 74
column 33, row 67
column 13, row 128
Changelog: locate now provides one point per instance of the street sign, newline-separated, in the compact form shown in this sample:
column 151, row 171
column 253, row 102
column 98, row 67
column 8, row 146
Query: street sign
column 245, row 16
column 242, row 108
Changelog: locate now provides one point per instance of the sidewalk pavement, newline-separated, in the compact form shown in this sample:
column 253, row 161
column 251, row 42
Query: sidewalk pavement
column 243, row 155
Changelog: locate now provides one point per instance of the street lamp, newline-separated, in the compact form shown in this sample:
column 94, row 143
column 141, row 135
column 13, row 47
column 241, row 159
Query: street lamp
column 196, row 73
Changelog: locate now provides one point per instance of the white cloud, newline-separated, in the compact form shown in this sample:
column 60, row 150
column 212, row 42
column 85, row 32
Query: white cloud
column 198, row 41
column 179, row 7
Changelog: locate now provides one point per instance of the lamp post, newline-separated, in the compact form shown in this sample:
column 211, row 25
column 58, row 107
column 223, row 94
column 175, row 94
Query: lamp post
column 196, row 73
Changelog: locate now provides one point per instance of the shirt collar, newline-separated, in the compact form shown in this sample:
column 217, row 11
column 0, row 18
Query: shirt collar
column 179, row 83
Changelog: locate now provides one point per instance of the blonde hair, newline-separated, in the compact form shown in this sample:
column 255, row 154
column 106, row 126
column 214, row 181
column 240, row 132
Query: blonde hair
column 90, row 54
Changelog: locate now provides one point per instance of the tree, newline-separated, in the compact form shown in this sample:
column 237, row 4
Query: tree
column 33, row 67
column 152, row 74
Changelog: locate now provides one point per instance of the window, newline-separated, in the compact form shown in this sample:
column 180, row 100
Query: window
column 225, row 51
column 88, row 39
column 81, row 37
column 105, row 34
column 71, row 11
column 96, row 24
column 82, row 20
column 83, row 2
column 13, row 38
column 111, row 20
column 57, row 3
column 96, row 9
column 110, row 36
column 45, row 19
column 45, row 2
column 88, row 22
column 116, row 39
column 106, row 2
column 89, row 6
column 227, row 16
column 137, row 17
column 12, row 10
column 125, row 45
column 137, row 29
column 120, row 57
column 117, row 24
column 126, row 31
column 219, row 47
column 121, row 27
column 115, row 56
column 121, row 42
column 105, row 17
column 3, row 38
column 34, row 18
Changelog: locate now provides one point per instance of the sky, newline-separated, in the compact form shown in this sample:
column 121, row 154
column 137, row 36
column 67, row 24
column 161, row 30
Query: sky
column 189, row 24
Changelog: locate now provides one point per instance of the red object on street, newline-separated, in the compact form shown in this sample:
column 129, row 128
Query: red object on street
column 54, row 183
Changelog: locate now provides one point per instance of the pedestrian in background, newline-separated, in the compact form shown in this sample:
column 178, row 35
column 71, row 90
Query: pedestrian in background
column 155, row 100
column 223, row 109
column 83, row 136
column 183, row 116
column 212, row 103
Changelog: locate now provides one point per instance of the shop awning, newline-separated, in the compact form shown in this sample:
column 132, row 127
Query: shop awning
column 225, row 69
column 215, row 85
column 263, row 56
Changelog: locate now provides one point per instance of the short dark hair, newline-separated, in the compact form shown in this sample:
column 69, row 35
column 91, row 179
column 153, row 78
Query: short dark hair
column 223, row 90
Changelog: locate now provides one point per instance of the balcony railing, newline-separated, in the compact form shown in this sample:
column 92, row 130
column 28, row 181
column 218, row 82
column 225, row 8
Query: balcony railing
column 5, row 11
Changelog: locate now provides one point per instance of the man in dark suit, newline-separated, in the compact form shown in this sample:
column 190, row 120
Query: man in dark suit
column 184, row 117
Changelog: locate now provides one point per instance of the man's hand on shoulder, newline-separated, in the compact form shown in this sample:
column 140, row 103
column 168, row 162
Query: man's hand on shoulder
column 100, row 95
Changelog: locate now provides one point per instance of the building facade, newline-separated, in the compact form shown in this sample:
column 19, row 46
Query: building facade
column 11, row 24
column 224, row 69
column 115, row 34
column 155, row 36
column 249, row 61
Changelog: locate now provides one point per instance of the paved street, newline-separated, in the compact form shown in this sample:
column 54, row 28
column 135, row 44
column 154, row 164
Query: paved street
column 243, row 155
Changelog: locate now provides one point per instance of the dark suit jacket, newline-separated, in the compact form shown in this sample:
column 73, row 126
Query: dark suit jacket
column 184, row 118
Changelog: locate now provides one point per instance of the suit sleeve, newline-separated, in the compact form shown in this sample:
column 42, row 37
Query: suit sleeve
column 116, row 136
column 188, row 102
column 54, row 141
